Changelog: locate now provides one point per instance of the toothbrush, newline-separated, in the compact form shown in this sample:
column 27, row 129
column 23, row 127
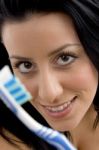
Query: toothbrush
column 14, row 94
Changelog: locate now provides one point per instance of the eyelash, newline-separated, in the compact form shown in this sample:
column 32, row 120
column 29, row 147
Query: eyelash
column 17, row 65
column 66, row 54
column 21, row 62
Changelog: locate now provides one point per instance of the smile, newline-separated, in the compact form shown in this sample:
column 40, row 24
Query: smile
column 60, row 108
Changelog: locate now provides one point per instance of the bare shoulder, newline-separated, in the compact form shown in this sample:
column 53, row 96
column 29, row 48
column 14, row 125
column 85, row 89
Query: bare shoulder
column 4, row 145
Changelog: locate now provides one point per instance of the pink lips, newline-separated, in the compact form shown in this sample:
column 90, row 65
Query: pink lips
column 60, row 111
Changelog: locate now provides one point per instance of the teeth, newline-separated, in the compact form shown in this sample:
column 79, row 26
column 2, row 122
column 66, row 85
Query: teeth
column 58, row 108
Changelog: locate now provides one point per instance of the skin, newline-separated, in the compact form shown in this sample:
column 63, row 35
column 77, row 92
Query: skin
column 47, row 56
column 5, row 145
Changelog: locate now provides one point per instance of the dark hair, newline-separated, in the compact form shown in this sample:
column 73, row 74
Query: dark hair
column 86, row 20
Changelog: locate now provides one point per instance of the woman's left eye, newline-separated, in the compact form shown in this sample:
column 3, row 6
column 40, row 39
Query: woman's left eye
column 65, row 59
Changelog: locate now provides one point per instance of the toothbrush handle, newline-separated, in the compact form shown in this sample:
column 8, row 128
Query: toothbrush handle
column 55, row 138
column 51, row 136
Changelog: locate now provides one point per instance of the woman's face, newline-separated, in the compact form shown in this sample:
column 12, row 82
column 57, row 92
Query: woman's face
column 48, row 57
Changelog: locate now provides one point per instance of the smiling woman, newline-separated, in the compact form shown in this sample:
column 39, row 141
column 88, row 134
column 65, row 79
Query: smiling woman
column 54, row 50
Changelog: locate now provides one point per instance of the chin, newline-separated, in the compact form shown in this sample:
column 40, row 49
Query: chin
column 63, row 128
column 59, row 128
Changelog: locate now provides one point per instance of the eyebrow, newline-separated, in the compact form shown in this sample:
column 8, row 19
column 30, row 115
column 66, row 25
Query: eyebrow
column 19, row 57
column 51, row 53
column 64, row 47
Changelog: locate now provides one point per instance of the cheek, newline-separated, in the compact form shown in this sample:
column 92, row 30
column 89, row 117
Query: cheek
column 31, row 86
column 81, row 80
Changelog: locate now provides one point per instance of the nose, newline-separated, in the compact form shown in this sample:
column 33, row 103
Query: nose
column 49, row 88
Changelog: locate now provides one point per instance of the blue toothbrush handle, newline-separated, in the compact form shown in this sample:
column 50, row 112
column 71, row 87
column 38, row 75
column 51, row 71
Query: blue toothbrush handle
column 49, row 135
column 9, row 86
column 55, row 138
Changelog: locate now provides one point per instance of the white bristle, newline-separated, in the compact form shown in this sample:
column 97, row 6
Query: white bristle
column 5, row 74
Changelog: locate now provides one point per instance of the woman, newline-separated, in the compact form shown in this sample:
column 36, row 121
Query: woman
column 54, row 49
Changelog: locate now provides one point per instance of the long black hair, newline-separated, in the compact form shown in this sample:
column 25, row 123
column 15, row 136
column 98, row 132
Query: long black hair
column 86, row 20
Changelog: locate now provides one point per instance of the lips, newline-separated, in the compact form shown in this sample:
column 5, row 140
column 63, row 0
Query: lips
column 59, row 108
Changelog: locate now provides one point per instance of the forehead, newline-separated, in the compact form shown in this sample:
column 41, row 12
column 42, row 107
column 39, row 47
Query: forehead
column 38, row 32
column 37, row 22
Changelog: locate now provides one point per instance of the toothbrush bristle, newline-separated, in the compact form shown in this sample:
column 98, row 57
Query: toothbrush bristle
column 17, row 90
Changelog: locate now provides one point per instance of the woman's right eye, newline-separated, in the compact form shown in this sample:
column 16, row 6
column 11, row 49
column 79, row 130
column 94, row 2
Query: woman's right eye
column 24, row 67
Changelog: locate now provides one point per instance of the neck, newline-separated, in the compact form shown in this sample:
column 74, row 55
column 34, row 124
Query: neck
column 85, row 129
